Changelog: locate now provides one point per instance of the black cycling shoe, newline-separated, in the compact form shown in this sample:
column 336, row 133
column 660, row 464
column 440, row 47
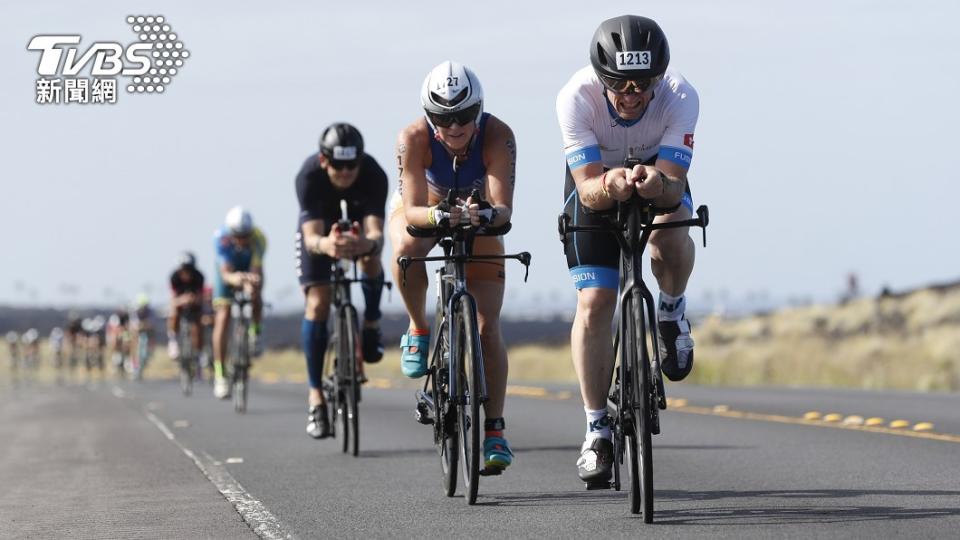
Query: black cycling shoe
column 595, row 465
column 676, row 349
column 318, row 424
column 372, row 345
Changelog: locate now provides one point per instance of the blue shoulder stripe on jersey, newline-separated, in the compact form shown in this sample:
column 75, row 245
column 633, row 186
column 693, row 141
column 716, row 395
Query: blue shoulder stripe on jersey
column 602, row 277
column 680, row 156
column 583, row 156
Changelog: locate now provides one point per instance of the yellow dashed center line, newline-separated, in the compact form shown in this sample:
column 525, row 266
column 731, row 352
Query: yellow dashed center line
column 920, row 431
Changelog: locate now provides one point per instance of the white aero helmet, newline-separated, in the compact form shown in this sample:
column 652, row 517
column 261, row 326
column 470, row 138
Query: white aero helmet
column 451, row 92
column 239, row 221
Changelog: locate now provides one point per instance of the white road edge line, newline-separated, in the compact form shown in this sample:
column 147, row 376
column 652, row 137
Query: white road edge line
column 260, row 520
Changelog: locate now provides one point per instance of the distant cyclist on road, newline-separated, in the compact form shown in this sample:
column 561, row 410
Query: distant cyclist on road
column 118, row 338
column 625, row 105
column 240, row 248
column 141, row 325
column 186, row 297
column 456, row 146
column 56, row 346
column 340, row 171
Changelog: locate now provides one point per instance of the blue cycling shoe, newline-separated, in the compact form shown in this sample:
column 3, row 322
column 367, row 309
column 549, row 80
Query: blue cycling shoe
column 497, row 455
column 413, row 355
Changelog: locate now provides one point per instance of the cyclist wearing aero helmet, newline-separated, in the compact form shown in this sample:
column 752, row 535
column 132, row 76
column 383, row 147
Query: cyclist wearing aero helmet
column 239, row 247
column 456, row 146
column 625, row 106
column 341, row 171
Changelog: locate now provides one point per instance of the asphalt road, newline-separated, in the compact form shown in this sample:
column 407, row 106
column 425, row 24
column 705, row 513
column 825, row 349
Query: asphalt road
column 138, row 460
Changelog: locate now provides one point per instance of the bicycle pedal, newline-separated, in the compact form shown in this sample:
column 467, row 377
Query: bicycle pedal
column 604, row 484
column 422, row 414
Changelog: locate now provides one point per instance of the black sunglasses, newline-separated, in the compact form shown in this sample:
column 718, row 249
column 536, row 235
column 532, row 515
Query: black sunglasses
column 628, row 86
column 340, row 165
column 462, row 118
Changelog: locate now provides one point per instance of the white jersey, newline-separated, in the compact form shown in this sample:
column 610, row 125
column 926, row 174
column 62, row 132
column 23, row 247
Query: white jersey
column 593, row 132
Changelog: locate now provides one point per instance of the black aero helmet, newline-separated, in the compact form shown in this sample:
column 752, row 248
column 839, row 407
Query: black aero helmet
column 341, row 142
column 629, row 47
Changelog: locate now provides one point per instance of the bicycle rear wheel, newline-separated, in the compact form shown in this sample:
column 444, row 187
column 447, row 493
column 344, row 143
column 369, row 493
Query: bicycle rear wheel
column 468, row 377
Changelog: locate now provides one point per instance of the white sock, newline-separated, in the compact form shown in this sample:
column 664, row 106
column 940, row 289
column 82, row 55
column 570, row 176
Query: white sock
column 671, row 308
column 598, row 424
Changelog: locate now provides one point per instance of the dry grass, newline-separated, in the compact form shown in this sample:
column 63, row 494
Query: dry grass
column 910, row 343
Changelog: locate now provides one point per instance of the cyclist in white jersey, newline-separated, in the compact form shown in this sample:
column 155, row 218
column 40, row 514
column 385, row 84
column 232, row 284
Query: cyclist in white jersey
column 625, row 107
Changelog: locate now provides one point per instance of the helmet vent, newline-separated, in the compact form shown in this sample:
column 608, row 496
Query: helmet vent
column 617, row 41
column 452, row 102
column 601, row 56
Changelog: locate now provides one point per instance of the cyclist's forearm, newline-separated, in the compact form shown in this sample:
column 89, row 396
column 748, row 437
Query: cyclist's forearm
column 419, row 216
column 593, row 194
column 673, row 189
column 504, row 215
column 235, row 279
column 375, row 240
column 315, row 244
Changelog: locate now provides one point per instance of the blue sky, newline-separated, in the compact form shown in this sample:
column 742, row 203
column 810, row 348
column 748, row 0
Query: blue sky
column 819, row 146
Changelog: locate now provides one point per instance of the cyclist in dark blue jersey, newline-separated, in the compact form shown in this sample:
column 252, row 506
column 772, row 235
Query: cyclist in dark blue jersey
column 456, row 146
column 341, row 171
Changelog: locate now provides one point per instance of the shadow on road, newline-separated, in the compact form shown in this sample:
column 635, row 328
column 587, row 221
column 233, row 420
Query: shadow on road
column 820, row 506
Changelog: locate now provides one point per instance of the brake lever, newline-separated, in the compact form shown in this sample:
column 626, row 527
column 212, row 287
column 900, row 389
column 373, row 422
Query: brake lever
column 404, row 263
column 524, row 258
column 703, row 214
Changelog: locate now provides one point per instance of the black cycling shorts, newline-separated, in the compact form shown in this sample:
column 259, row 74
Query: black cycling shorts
column 594, row 257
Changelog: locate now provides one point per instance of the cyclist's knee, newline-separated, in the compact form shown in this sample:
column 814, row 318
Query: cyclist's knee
column 489, row 327
column 595, row 305
column 669, row 244
column 408, row 246
column 371, row 265
column 318, row 303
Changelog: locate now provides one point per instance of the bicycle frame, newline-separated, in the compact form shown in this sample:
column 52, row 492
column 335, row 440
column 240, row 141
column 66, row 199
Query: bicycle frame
column 457, row 248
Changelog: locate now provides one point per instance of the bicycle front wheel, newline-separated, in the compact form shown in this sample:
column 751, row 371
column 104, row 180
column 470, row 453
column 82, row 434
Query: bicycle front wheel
column 640, row 443
column 444, row 413
column 352, row 389
column 468, row 379
column 241, row 361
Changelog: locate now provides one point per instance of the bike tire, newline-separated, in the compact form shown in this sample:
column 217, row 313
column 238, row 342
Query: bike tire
column 241, row 362
column 343, row 379
column 468, row 419
column 444, row 414
column 186, row 379
column 643, row 403
column 353, row 380
column 188, row 358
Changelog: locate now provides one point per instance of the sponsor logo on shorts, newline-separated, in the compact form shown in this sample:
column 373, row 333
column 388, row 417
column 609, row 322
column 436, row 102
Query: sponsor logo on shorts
column 584, row 276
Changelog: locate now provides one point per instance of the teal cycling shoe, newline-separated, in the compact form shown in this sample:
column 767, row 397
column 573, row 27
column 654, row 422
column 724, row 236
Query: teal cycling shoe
column 497, row 455
column 413, row 355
